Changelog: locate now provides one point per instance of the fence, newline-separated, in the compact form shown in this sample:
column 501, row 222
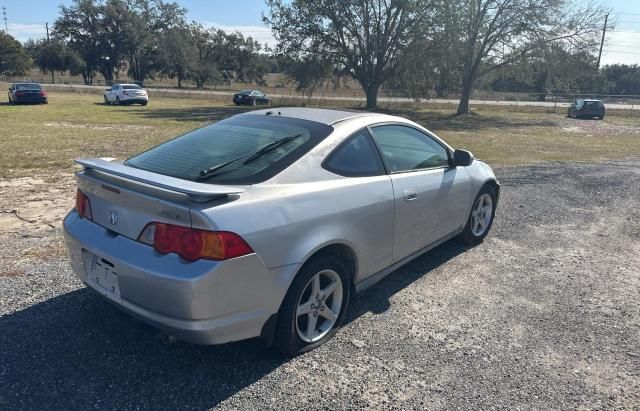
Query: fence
column 555, row 100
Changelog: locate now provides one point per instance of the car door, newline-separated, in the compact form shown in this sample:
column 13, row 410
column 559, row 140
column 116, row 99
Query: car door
column 368, row 193
column 431, row 197
column 111, row 94
column 262, row 98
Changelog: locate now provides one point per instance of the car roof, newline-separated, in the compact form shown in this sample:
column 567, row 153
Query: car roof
column 319, row 115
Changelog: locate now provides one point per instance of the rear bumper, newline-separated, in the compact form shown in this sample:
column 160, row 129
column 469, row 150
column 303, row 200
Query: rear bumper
column 204, row 302
column 135, row 100
column 38, row 99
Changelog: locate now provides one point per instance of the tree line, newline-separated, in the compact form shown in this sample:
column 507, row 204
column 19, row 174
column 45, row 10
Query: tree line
column 144, row 38
column 428, row 47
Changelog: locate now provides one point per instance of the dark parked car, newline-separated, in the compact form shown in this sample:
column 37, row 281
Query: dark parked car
column 251, row 97
column 27, row 93
column 587, row 109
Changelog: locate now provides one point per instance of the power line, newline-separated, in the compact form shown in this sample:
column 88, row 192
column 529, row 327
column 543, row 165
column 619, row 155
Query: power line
column 621, row 52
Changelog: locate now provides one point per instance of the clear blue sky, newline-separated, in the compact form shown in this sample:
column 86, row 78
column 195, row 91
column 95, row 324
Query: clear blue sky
column 240, row 12
column 27, row 17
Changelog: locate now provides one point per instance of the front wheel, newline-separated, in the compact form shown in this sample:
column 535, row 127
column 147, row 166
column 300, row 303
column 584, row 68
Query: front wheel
column 314, row 306
column 481, row 218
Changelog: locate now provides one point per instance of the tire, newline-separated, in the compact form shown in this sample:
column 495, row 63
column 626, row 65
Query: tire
column 118, row 101
column 144, row 104
column 474, row 233
column 292, row 334
column 253, row 102
column 106, row 101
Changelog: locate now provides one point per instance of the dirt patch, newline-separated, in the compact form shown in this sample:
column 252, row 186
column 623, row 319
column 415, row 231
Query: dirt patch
column 8, row 274
column 593, row 127
column 29, row 205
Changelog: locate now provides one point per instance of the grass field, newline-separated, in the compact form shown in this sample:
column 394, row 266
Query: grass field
column 72, row 125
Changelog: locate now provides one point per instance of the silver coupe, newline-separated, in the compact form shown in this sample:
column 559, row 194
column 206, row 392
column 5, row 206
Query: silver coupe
column 266, row 223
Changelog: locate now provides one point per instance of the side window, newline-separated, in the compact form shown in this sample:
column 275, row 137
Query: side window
column 405, row 149
column 358, row 157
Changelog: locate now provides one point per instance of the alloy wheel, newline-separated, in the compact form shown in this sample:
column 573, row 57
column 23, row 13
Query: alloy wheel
column 481, row 215
column 319, row 306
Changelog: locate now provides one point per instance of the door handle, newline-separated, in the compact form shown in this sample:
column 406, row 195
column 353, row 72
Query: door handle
column 410, row 195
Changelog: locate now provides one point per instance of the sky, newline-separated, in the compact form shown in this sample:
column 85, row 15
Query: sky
column 26, row 19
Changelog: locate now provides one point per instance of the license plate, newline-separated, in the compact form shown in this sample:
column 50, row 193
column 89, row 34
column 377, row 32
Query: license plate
column 103, row 277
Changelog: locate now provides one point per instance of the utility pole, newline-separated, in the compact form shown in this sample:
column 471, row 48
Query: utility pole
column 4, row 16
column 53, row 75
column 604, row 30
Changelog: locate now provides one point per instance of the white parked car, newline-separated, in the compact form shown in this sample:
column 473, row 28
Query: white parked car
column 126, row 94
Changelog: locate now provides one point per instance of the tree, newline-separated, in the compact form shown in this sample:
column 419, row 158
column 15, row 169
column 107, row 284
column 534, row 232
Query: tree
column 362, row 37
column 80, row 26
column 145, row 23
column 49, row 56
column 14, row 60
column 176, row 56
column 623, row 79
column 488, row 34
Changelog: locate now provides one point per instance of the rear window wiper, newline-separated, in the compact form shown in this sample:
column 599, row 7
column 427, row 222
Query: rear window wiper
column 252, row 155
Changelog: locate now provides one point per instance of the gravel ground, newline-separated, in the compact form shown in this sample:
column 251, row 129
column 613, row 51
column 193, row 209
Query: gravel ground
column 545, row 314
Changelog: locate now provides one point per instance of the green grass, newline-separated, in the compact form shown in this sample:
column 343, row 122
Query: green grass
column 72, row 125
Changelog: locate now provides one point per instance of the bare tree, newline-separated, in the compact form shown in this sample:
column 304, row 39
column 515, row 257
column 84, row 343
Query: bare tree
column 361, row 37
column 489, row 34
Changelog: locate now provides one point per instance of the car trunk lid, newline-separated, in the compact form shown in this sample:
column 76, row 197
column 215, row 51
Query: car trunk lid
column 125, row 199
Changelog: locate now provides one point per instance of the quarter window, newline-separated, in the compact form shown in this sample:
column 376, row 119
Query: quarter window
column 406, row 149
column 358, row 157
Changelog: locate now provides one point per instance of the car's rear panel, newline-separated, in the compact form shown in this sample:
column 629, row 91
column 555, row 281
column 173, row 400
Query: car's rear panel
column 30, row 96
column 130, row 204
column 202, row 301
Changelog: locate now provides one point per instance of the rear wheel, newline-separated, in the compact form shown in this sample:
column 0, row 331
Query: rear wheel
column 106, row 100
column 118, row 101
column 481, row 217
column 314, row 306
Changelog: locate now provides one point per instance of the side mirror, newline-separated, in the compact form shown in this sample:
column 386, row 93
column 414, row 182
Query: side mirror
column 108, row 89
column 462, row 158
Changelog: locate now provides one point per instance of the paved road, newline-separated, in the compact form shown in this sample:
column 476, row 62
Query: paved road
column 473, row 102
column 544, row 314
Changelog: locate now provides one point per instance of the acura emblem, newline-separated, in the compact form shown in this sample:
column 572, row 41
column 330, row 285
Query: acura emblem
column 113, row 218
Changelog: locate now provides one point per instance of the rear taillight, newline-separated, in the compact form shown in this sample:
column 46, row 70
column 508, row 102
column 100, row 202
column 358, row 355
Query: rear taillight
column 83, row 205
column 43, row 93
column 193, row 244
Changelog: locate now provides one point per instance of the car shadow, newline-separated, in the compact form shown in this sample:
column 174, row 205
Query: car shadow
column 203, row 113
column 77, row 351
column 449, row 121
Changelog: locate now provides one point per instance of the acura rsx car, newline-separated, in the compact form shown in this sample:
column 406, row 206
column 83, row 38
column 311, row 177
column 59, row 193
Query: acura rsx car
column 266, row 223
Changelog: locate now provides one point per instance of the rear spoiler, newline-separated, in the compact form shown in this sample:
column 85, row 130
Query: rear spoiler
column 196, row 191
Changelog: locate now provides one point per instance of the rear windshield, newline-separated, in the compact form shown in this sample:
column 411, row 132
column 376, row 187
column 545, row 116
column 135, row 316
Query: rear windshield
column 245, row 91
column 28, row 86
column 593, row 103
column 234, row 140
column 131, row 87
